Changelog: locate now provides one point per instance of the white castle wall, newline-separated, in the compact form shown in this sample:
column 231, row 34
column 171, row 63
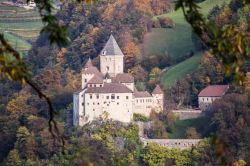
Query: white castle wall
column 143, row 105
column 111, row 64
column 205, row 102
column 117, row 106
column 78, row 108
column 158, row 102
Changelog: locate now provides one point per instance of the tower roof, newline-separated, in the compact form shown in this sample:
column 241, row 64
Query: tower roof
column 111, row 47
column 88, row 64
column 157, row 90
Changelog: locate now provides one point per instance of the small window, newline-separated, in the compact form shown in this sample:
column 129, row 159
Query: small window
column 97, row 96
column 93, row 109
column 126, row 97
column 88, row 103
column 107, row 97
column 85, row 80
column 117, row 97
column 113, row 96
column 118, row 103
column 107, row 68
column 104, row 52
column 95, row 85
column 82, row 104
column 90, row 96
column 93, row 103
column 98, row 103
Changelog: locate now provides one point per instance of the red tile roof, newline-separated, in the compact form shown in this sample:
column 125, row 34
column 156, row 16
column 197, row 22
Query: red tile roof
column 88, row 64
column 214, row 91
column 92, row 70
column 141, row 94
column 109, row 88
column 123, row 78
column 157, row 90
column 96, row 80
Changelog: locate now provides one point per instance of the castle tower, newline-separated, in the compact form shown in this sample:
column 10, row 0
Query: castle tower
column 88, row 72
column 111, row 58
column 158, row 98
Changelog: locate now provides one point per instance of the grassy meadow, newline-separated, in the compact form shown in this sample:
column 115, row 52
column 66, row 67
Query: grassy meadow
column 176, row 42
column 180, row 70
column 181, row 126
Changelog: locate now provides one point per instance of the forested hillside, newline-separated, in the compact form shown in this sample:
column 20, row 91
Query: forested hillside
column 25, row 138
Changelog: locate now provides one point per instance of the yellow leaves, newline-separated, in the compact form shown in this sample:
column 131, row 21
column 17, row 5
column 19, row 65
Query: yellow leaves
column 144, row 6
column 108, row 12
column 89, row 2
column 130, row 49
column 239, row 163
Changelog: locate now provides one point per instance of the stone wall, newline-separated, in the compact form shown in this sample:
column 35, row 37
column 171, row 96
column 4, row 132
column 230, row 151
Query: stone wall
column 188, row 113
column 169, row 143
column 173, row 143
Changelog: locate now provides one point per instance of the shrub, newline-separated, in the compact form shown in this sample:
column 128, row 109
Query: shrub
column 140, row 117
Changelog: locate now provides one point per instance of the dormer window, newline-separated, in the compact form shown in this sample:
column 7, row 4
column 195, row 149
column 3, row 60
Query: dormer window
column 107, row 68
column 104, row 52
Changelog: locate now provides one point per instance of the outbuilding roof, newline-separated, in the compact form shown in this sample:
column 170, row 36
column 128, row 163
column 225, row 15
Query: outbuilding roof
column 109, row 88
column 214, row 91
column 111, row 47
column 123, row 78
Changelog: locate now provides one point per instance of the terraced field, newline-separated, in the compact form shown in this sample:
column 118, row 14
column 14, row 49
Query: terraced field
column 19, row 25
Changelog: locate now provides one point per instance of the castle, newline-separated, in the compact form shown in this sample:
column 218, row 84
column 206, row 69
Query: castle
column 110, row 93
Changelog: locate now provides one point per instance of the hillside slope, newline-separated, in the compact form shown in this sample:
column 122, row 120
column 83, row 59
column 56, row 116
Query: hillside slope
column 19, row 25
column 176, row 42
column 180, row 70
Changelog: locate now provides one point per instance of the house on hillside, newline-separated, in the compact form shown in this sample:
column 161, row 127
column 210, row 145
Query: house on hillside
column 109, row 93
column 208, row 95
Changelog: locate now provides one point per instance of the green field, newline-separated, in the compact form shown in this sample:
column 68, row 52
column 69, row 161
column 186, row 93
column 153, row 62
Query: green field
column 180, row 70
column 181, row 126
column 176, row 41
